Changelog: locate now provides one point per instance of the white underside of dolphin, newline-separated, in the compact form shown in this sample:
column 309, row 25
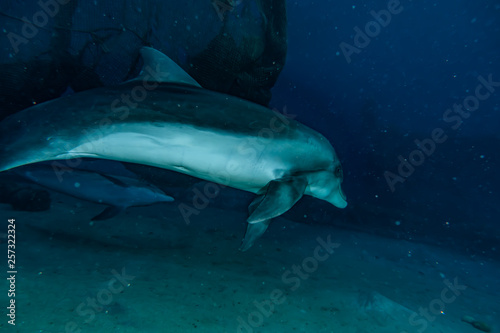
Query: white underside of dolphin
column 179, row 126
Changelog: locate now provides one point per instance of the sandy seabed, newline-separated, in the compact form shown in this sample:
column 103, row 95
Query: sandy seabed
column 149, row 271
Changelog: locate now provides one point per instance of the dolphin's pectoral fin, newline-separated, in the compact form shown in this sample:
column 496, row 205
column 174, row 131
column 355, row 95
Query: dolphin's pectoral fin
column 279, row 196
column 254, row 231
column 108, row 213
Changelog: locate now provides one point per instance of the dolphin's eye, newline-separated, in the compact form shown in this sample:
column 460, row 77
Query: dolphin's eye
column 338, row 172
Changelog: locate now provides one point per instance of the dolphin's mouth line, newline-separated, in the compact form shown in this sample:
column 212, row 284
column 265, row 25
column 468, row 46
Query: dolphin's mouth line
column 342, row 194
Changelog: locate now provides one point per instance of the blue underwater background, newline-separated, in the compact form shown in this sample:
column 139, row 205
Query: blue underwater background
column 397, row 89
column 408, row 94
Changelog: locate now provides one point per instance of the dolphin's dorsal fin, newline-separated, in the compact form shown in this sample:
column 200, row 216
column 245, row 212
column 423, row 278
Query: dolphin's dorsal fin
column 160, row 68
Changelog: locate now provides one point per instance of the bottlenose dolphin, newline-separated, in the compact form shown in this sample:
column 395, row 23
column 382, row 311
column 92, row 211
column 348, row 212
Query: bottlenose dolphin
column 118, row 192
column 164, row 118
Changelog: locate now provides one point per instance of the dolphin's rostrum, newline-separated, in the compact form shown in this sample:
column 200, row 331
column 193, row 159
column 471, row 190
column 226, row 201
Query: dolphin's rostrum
column 163, row 118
